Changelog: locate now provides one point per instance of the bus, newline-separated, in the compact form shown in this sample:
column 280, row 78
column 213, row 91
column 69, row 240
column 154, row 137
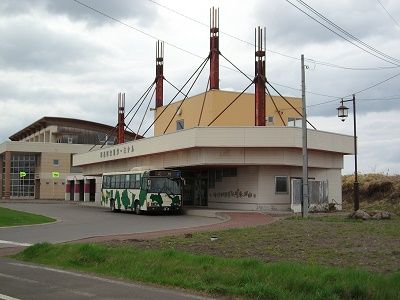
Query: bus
column 142, row 190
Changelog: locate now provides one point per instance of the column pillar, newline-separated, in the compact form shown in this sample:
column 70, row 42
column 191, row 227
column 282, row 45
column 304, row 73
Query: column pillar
column 7, row 175
column 67, row 190
column 86, row 190
column 76, row 190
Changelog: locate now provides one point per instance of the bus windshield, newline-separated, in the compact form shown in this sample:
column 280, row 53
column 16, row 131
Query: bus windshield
column 163, row 185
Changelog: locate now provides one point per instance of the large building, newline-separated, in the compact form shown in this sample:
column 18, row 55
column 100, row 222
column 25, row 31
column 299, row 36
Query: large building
column 235, row 150
column 38, row 158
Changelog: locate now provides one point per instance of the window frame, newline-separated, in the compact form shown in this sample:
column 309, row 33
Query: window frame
column 276, row 184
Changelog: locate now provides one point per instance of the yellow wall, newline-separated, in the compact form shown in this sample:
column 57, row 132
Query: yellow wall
column 240, row 113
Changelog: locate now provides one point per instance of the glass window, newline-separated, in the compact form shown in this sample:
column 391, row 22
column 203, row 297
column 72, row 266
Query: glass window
column 56, row 162
column 218, row 175
column 113, row 181
column 229, row 172
column 180, row 124
column 211, row 178
column 281, row 184
column 137, row 182
column 294, row 122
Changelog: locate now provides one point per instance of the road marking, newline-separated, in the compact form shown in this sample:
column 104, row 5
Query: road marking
column 5, row 297
column 15, row 243
column 18, row 278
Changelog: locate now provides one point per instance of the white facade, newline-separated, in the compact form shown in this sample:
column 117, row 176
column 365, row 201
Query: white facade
column 257, row 155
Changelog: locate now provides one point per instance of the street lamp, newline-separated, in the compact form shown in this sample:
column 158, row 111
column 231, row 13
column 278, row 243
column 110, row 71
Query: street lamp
column 343, row 113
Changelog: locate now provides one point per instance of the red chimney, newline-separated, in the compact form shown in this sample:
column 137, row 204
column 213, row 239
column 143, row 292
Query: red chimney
column 121, row 119
column 260, row 77
column 214, row 48
column 159, row 73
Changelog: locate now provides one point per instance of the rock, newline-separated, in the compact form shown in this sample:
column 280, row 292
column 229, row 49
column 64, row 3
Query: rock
column 188, row 235
column 360, row 215
column 380, row 215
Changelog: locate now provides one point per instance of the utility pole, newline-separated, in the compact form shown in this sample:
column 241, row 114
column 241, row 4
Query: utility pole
column 304, row 202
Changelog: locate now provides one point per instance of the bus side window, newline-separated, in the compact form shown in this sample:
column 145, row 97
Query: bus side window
column 137, row 181
column 113, row 178
column 132, row 179
column 106, row 184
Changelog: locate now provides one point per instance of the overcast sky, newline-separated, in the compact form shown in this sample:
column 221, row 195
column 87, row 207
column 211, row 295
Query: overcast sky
column 59, row 58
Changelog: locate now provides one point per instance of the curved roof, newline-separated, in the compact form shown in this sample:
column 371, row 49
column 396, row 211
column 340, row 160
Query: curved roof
column 69, row 122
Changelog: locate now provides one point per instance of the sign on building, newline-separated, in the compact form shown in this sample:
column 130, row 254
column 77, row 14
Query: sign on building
column 55, row 174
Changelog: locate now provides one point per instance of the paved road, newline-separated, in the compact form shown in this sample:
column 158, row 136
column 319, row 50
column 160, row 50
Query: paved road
column 20, row 280
column 77, row 222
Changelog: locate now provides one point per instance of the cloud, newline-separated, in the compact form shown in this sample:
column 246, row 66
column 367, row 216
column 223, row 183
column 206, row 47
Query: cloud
column 27, row 45
column 120, row 9
column 286, row 25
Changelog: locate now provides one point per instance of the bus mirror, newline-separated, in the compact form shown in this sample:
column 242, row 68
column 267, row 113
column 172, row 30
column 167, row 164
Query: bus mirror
column 148, row 183
column 183, row 181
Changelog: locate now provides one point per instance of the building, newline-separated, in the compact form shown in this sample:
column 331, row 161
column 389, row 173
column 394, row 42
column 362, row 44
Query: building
column 38, row 159
column 235, row 150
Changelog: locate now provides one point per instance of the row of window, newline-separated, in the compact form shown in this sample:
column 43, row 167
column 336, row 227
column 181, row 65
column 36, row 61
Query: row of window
column 294, row 122
column 124, row 181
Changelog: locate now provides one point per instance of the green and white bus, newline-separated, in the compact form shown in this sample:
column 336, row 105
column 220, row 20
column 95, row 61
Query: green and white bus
column 143, row 190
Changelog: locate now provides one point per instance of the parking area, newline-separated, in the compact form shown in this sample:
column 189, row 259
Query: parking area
column 79, row 222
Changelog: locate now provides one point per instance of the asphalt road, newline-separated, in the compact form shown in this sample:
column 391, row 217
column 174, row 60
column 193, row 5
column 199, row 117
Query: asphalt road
column 19, row 280
column 77, row 222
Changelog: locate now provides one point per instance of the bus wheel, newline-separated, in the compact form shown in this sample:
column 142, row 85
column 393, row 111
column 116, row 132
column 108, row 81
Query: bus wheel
column 137, row 208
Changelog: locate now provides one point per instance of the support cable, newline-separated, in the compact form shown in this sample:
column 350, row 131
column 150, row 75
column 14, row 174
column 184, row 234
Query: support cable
column 141, row 103
column 248, row 77
column 108, row 135
column 147, row 108
column 230, row 104
column 173, row 86
column 204, row 100
column 180, row 105
column 141, row 97
column 176, row 95
column 287, row 101
column 278, row 111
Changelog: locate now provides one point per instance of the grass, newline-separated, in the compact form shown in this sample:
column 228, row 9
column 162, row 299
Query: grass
column 377, row 192
column 332, row 240
column 231, row 277
column 10, row 217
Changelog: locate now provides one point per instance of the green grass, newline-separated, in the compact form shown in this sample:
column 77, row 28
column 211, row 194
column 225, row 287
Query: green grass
column 244, row 278
column 332, row 240
column 10, row 217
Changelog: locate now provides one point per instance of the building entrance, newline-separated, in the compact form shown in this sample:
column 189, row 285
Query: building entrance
column 195, row 191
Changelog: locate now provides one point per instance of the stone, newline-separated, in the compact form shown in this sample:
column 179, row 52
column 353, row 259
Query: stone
column 360, row 215
column 380, row 215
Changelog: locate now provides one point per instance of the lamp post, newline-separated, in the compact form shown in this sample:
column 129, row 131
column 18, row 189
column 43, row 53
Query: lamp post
column 343, row 113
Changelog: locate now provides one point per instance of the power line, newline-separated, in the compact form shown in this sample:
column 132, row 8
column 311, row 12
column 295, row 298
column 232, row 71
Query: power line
column 388, row 13
column 358, row 92
column 347, row 33
column 134, row 28
column 343, row 37
column 322, row 63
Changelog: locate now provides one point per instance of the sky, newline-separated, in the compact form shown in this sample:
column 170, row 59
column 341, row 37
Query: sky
column 61, row 58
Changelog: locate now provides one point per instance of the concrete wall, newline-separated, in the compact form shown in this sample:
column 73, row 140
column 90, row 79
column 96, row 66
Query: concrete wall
column 254, row 188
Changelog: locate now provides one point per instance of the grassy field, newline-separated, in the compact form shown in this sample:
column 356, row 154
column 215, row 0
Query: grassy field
column 230, row 277
column 331, row 241
column 9, row 217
